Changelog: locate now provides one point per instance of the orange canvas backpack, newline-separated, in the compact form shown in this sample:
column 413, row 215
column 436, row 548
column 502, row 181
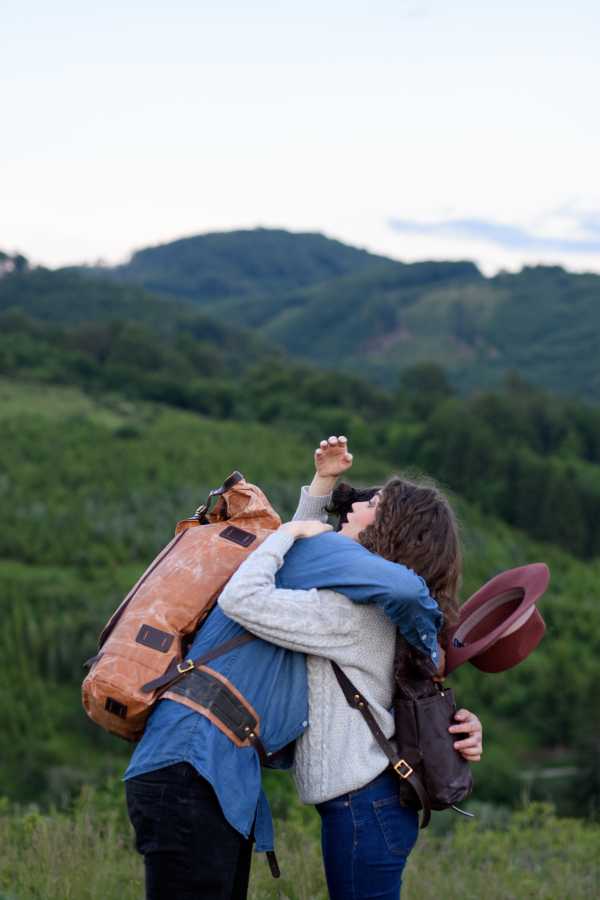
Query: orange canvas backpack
column 145, row 642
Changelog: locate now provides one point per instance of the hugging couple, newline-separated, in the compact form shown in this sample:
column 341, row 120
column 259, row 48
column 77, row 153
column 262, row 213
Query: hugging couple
column 311, row 596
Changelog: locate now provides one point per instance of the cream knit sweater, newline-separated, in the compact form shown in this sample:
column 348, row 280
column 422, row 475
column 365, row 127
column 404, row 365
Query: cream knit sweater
column 337, row 753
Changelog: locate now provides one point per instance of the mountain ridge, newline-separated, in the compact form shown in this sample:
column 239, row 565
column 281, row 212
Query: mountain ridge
column 380, row 316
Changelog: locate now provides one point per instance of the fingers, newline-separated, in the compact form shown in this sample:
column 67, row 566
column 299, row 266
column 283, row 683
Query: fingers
column 471, row 746
column 471, row 756
column 468, row 720
column 473, row 727
column 340, row 443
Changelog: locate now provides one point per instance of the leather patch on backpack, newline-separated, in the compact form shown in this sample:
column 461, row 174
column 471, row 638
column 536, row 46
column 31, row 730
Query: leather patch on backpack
column 116, row 708
column 238, row 536
column 155, row 638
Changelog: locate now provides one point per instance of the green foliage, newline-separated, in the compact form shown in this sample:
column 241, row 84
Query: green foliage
column 89, row 852
column 210, row 266
column 353, row 322
column 522, row 454
column 67, row 299
column 534, row 856
column 543, row 323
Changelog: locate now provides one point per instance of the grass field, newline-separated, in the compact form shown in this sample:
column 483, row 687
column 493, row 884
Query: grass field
column 89, row 853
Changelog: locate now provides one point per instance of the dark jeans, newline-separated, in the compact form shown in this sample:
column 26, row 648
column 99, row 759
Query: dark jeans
column 366, row 837
column 190, row 850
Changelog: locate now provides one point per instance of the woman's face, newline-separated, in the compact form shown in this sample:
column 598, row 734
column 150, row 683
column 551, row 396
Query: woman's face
column 362, row 515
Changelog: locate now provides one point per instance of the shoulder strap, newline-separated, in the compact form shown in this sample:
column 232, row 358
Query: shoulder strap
column 235, row 478
column 176, row 671
column 356, row 700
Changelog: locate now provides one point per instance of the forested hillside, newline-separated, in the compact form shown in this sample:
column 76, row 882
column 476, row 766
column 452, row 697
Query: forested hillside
column 209, row 266
column 334, row 305
column 543, row 323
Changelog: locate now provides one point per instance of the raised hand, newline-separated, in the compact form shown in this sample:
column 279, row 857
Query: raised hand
column 332, row 458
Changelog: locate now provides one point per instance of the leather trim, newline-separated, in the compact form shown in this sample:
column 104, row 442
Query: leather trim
column 210, row 714
column 185, row 701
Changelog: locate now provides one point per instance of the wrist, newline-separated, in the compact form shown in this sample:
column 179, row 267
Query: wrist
column 322, row 485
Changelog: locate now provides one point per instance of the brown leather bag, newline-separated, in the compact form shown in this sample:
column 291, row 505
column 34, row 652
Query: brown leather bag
column 433, row 775
column 150, row 633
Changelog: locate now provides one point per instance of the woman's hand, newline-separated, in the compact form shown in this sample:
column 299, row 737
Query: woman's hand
column 307, row 529
column 331, row 460
column 470, row 747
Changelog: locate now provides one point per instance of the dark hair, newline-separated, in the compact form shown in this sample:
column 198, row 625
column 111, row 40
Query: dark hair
column 414, row 525
column 344, row 496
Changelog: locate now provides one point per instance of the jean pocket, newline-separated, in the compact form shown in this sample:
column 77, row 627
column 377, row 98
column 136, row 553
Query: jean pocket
column 144, row 805
column 400, row 826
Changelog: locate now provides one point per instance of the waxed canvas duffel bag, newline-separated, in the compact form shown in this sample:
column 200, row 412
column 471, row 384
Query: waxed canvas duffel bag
column 152, row 629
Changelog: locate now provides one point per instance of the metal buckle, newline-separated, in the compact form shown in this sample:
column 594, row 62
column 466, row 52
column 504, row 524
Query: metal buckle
column 403, row 774
column 200, row 511
column 189, row 663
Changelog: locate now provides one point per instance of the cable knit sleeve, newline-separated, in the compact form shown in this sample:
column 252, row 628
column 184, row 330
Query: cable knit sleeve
column 310, row 507
column 323, row 623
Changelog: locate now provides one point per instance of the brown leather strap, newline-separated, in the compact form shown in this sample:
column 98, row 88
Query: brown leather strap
column 176, row 671
column 235, row 478
column 259, row 747
column 272, row 859
column 356, row 700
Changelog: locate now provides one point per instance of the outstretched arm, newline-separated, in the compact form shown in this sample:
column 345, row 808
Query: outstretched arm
column 331, row 460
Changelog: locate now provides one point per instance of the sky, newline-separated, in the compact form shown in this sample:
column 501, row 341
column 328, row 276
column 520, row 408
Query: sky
column 420, row 129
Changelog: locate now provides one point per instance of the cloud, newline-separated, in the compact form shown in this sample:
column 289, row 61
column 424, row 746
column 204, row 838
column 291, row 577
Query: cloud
column 508, row 236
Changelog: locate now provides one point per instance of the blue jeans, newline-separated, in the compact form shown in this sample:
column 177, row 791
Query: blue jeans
column 366, row 837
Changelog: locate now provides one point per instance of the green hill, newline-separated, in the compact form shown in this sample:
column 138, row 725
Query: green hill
column 334, row 305
column 209, row 266
column 65, row 298
column 543, row 323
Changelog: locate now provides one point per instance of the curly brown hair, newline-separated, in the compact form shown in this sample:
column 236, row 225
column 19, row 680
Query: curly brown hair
column 416, row 526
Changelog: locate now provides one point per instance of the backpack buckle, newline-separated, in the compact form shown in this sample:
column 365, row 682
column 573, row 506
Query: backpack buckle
column 398, row 767
column 189, row 665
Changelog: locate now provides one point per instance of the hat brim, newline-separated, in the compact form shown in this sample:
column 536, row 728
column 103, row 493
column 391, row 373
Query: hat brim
column 492, row 652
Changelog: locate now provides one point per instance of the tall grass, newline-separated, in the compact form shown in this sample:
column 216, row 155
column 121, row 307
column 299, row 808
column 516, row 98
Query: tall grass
column 89, row 853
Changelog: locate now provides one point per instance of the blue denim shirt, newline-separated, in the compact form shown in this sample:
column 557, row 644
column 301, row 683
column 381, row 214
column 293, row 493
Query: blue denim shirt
column 334, row 561
column 273, row 679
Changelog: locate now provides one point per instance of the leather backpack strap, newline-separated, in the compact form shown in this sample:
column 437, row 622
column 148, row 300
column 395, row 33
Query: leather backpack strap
column 176, row 671
column 235, row 478
column 356, row 700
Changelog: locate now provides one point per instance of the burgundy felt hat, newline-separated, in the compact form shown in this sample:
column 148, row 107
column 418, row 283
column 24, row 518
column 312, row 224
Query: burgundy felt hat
column 500, row 625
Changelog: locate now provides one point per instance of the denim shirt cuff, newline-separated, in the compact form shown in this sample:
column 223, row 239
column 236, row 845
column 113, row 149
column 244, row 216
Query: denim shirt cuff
column 424, row 637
